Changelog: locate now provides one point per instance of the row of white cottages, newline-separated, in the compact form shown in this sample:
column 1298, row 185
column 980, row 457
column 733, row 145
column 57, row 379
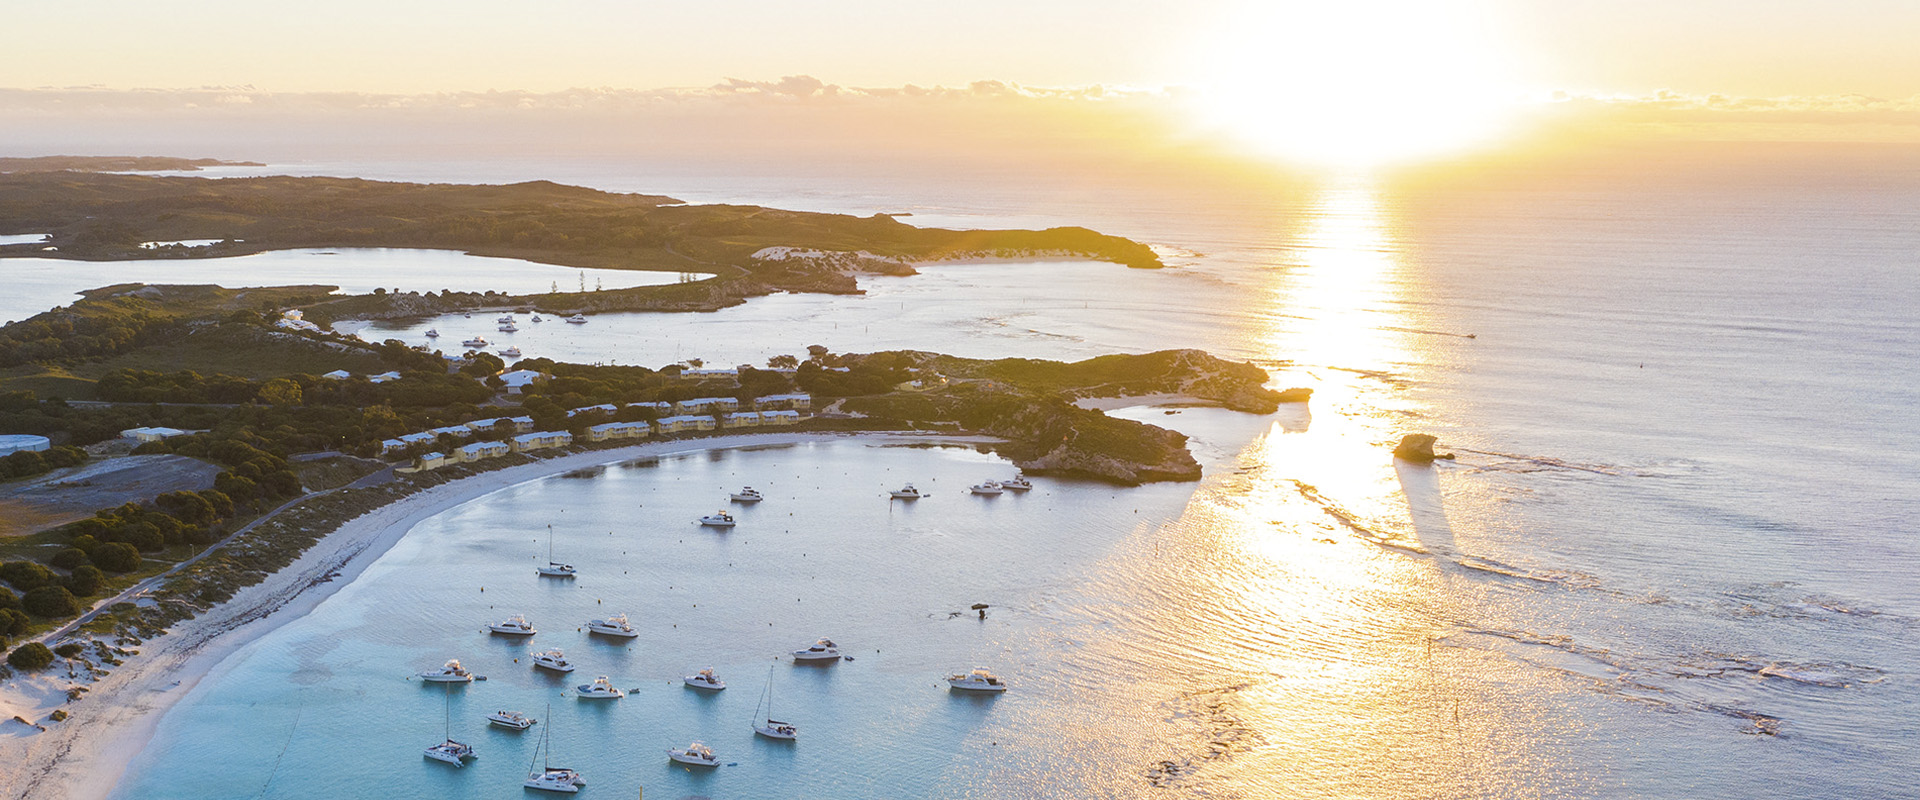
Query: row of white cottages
column 708, row 405
column 465, row 430
column 598, row 433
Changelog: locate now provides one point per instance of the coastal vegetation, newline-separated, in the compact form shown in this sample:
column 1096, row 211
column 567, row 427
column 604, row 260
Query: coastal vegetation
column 116, row 164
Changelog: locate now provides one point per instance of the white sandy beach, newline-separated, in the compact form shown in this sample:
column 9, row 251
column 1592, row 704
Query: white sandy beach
column 84, row 757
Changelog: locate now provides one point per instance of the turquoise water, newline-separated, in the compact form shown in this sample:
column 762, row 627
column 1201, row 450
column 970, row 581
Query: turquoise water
column 1681, row 518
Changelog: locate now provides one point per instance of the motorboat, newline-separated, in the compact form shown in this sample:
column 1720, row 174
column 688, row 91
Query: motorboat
column 552, row 660
column 548, row 777
column 704, row 679
column 511, row 719
column 696, row 754
column 475, row 342
column 452, row 752
column 1017, row 483
column 599, row 689
column 577, row 319
column 747, row 494
column 432, row 333
column 906, row 492
column 555, row 779
column 509, row 352
column 451, row 673
column 764, row 723
column 554, row 569
column 979, row 680
column 536, row 318
column 823, row 650
column 615, row 625
column 718, row 519
column 987, row 488
column 516, row 625
column 506, row 320
column 508, row 327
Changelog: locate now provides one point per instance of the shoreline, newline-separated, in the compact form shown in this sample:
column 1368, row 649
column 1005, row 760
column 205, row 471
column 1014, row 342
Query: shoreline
column 84, row 757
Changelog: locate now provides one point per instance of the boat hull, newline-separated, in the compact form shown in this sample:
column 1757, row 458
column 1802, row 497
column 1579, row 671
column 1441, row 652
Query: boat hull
column 773, row 732
column 980, row 688
column 694, row 761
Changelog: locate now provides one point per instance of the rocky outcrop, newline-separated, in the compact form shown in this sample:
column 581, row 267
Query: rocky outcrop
column 1418, row 448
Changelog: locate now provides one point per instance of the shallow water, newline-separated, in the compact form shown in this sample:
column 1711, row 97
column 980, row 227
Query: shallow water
column 1681, row 517
column 38, row 284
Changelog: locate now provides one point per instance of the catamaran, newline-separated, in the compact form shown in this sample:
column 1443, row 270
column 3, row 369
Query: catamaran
column 450, row 751
column 549, row 777
column 764, row 723
column 554, row 568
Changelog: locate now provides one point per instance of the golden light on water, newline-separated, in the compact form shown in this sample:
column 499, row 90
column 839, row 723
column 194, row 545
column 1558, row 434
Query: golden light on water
column 1357, row 84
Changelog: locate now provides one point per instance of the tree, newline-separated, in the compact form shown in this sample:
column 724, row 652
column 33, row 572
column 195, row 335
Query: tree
column 481, row 365
column 280, row 392
column 51, row 601
column 783, row 362
column 30, row 657
column 8, row 600
column 25, row 575
column 86, row 580
column 69, row 650
column 14, row 622
column 118, row 557
column 69, row 558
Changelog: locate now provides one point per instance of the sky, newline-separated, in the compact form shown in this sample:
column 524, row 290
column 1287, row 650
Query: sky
column 1337, row 82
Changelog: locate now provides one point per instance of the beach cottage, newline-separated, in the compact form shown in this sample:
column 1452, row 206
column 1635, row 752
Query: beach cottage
column 619, row 430
column 741, row 419
column 481, row 450
column 540, row 440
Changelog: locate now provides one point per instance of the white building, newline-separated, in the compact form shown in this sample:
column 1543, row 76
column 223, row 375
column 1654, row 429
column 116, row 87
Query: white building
column 431, row 461
column 603, row 408
column 384, row 377
column 519, row 379
column 338, row 375
column 540, row 440
column 656, row 406
column 28, row 443
column 461, row 431
column 481, row 450
column 685, row 423
column 706, row 405
column 706, row 374
column 619, row 430
column 797, row 402
column 150, row 434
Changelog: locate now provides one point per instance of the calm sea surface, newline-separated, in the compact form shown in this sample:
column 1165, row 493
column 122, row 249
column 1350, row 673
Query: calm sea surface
column 1675, row 558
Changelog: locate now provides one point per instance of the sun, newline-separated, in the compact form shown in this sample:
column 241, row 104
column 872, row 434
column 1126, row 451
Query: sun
column 1356, row 83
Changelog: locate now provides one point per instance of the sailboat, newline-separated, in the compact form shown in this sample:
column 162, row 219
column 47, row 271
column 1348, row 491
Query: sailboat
column 554, row 568
column 549, row 777
column 765, row 724
column 450, row 751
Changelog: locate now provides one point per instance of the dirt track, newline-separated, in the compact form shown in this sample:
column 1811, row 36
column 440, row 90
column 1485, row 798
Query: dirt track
column 66, row 495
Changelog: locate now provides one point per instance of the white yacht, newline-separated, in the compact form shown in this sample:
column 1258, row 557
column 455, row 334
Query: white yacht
column 823, row 650
column 988, row 488
column 718, row 519
column 615, row 625
column 451, row 673
column 577, row 319
column 508, row 327
column 451, row 752
column 1017, row 483
column 599, row 689
column 475, row 342
column 511, row 719
column 433, row 333
column 696, row 754
column 506, row 320
column 747, row 494
column 979, row 680
column 516, row 625
column 552, row 660
column 906, row 492
column 509, row 352
column 704, row 679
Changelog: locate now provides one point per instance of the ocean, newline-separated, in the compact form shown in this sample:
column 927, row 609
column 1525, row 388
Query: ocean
column 1673, row 559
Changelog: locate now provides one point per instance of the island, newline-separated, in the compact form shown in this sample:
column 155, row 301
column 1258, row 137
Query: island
column 116, row 164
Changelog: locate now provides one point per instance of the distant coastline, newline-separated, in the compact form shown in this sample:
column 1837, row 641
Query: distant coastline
column 116, row 164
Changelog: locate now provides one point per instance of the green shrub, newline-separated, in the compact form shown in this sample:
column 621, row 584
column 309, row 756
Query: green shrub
column 8, row 599
column 68, row 650
column 69, row 558
column 30, row 657
column 25, row 575
column 51, row 601
column 86, row 580
column 14, row 621
column 118, row 557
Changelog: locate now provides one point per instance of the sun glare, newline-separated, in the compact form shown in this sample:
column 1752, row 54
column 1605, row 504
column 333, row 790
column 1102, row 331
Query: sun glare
column 1356, row 84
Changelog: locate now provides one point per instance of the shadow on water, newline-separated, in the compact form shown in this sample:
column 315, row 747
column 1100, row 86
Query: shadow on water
column 1420, row 485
